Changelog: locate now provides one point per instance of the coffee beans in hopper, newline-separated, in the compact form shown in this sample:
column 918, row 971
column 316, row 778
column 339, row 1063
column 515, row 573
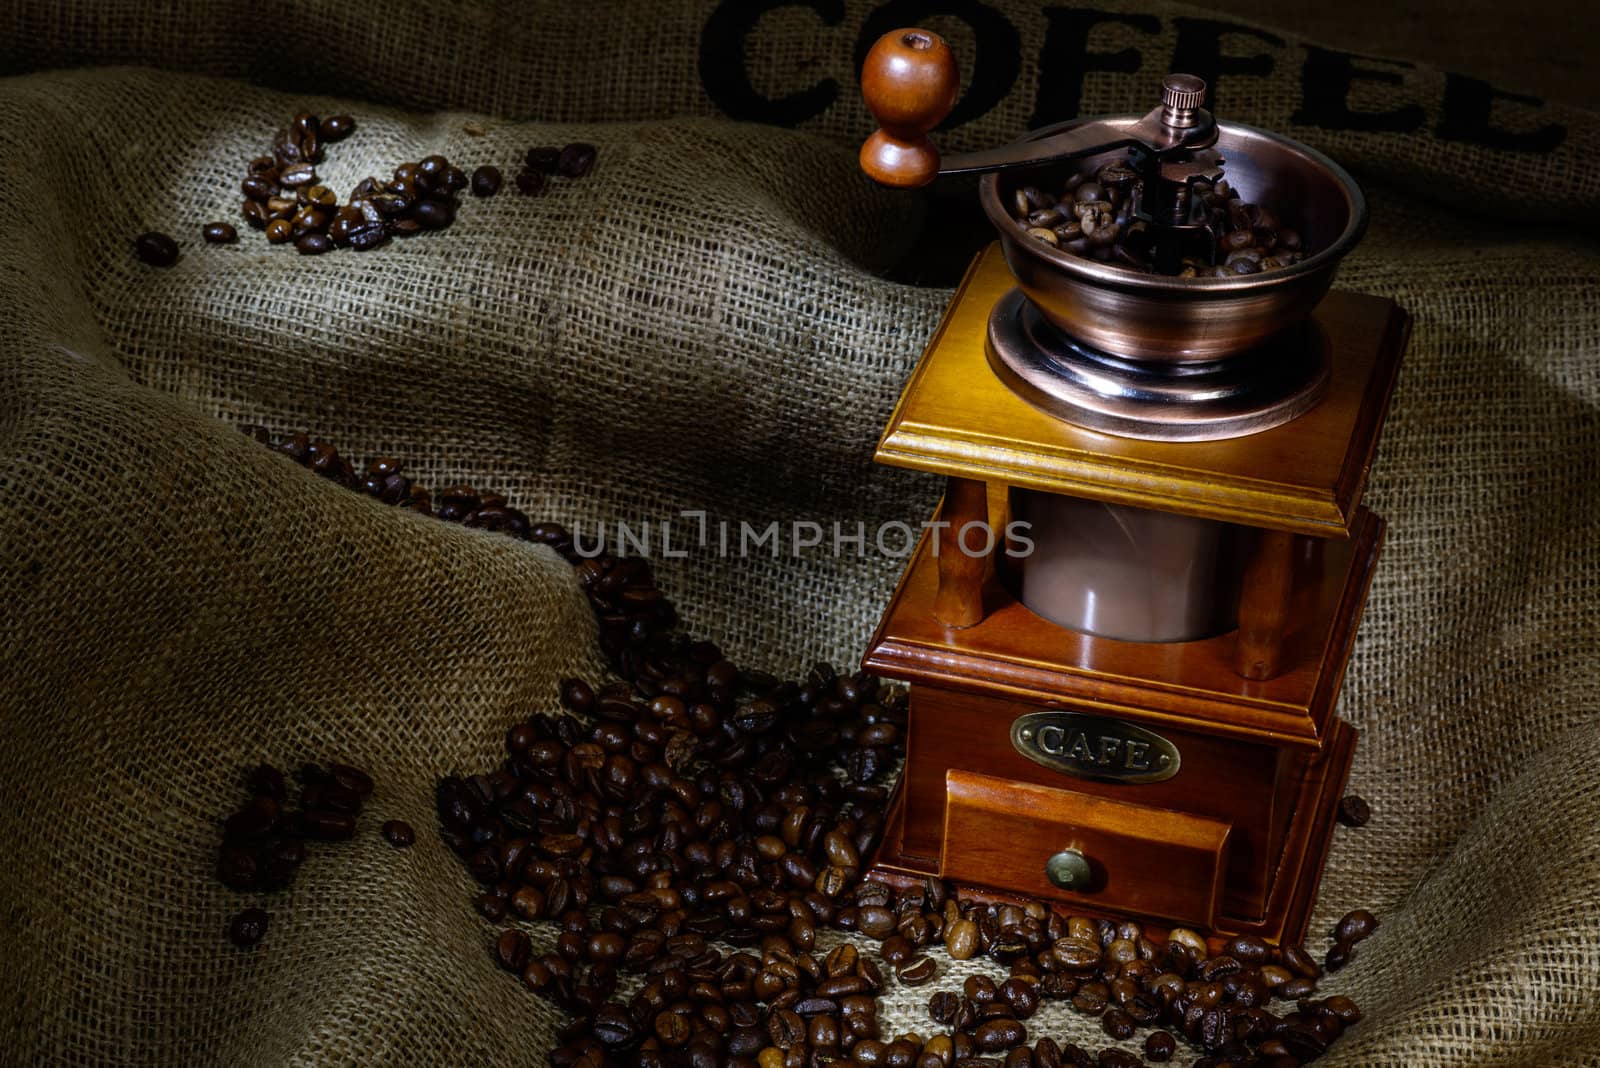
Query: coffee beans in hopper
column 1092, row 215
column 694, row 826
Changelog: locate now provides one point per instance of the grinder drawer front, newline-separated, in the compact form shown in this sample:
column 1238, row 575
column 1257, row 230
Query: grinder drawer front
column 1115, row 855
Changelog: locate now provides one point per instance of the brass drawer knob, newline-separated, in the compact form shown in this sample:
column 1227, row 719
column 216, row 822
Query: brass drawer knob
column 1069, row 869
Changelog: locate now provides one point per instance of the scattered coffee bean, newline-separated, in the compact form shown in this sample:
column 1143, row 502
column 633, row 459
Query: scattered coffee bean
column 337, row 127
column 1354, row 811
column 530, row 183
column 398, row 833
column 543, row 159
column 247, row 928
column 1355, row 926
column 219, row 233
column 1159, row 1046
column 485, row 181
column 916, row 971
column 156, row 249
column 576, row 160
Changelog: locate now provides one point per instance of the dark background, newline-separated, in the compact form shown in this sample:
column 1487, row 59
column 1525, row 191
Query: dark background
column 1547, row 49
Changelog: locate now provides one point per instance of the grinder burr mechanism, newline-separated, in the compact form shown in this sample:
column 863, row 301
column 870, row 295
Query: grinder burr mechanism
column 1126, row 703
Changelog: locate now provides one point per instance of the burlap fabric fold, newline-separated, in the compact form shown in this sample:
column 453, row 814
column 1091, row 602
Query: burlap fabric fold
column 700, row 325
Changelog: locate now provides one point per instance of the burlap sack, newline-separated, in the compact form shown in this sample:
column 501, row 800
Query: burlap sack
column 699, row 325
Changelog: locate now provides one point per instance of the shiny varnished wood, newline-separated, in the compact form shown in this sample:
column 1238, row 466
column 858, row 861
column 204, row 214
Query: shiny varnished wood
column 957, row 418
column 958, row 599
column 1184, row 685
column 1153, row 862
column 1265, row 599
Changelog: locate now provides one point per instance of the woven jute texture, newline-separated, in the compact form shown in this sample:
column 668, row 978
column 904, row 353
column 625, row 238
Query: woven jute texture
column 700, row 325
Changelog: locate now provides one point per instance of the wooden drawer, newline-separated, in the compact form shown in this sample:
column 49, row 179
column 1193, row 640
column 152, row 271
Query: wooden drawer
column 1145, row 861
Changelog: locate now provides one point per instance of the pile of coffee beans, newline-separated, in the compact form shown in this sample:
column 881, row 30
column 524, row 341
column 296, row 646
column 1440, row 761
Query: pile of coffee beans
column 264, row 842
column 699, row 826
column 1095, row 215
column 543, row 161
column 284, row 199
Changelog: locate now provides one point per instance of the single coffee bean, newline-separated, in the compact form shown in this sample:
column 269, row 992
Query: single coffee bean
column 1355, row 926
column 337, row 127
column 1354, row 811
column 237, row 867
column 1117, row 1023
column 485, row 181
column 530, row 183
column 916, row 970
column 156, row 249
column 512, row 949
column 998, row 1034
column 279, row 231
column 219, row 233
column 576, row 160
column 1159, row 1046
column 543, row 159
column 942, row 1006
column 327, row 826
column 1117, row 1058
column 398, row 833
column 961, row 940
column 313, row 244
column 247, row 928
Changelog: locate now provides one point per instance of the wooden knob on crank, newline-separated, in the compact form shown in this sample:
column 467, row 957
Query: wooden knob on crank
column 910, row 82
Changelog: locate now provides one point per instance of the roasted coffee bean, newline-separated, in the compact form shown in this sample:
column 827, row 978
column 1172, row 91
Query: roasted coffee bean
column 247, row 928
column 313, row 244
column 575, row 160
column 279, row 231
column 485, row 181
column 156, row 249
column 237, row 868
column 1339, row 955
column 916, row 971
column 1117, row 1058
column 219, row 233
column 961, row 940
column 1159, row 1046
column 942, row 1006
column 1354, row 811
column 544, row 159
column 1117, row 1023
column 530, row 183
column 398, row 833
column 999, row 1034
column 512, row 949
column 337, row 127
column 1022, row 996
column 327, row 826
column 1355, row 926
column 786, row 1029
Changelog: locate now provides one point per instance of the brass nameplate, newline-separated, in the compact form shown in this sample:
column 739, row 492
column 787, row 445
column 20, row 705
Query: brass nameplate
column 1092, row 747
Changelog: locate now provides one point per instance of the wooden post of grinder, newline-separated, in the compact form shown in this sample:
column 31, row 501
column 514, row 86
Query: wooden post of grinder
column 1264, row 605
column 959, row 601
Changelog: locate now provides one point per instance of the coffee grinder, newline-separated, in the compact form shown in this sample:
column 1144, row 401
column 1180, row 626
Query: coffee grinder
column 1126, row 631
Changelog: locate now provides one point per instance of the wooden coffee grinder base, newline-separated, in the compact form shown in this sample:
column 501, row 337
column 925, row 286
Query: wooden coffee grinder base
column 1189, row 783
